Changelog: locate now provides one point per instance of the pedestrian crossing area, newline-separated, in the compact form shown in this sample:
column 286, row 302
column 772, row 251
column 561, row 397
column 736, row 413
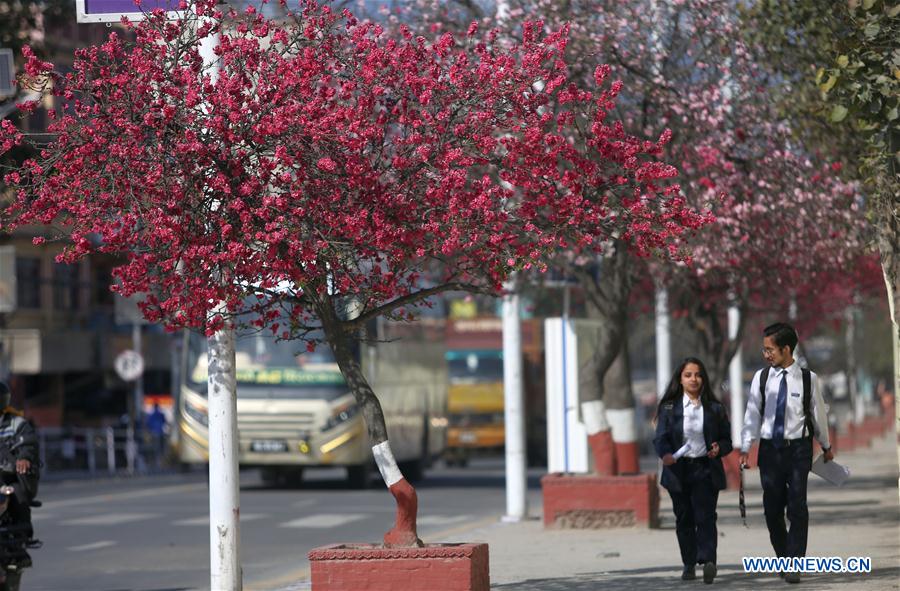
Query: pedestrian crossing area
column 313, row 521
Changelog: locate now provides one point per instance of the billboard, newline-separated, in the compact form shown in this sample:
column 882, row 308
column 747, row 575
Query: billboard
column 112, row 11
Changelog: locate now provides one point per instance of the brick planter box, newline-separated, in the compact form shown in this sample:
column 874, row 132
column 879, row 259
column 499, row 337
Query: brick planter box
column 371, row 567
column 585, row 501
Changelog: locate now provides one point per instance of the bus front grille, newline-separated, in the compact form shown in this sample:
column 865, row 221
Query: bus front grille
column 283, row 424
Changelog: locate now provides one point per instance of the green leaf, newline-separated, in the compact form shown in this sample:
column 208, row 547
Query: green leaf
column 842, row 61
column 838, row 113
column 892, row 114
column 872, row 29
column 829, row 84
column 868, row 4
column 893, row 11
column 821, row 72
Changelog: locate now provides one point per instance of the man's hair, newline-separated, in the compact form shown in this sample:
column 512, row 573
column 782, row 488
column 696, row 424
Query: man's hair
column 783, row 334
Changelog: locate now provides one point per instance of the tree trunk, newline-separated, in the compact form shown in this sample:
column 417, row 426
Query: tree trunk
column 403, row 534
column 710, row 322
column 604, row 403
column 887, row 213
column 619, row 398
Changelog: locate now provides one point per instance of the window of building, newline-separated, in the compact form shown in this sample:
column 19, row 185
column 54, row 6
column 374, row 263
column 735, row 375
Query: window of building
column 28, row 282
column 101, row 296
column 66, row 286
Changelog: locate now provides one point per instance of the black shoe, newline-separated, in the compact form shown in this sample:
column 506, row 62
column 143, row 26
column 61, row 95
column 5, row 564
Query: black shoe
column 792, row 577
column 688, row 574
column 709, row 572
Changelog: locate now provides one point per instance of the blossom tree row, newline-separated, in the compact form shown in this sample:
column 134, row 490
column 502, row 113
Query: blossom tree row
column 329, row 169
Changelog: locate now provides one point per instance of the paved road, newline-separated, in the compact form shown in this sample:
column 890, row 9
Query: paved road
column 151, row 533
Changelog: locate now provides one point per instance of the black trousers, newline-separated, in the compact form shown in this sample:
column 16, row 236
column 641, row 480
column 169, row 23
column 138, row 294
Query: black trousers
column 784, row 472
column 695, row 513
column 19, row 506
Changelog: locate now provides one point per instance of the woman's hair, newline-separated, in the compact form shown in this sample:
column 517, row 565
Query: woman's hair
column 674, row 391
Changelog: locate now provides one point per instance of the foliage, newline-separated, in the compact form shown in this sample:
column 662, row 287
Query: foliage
column 327, row 163
column 785, row 219
column 851, row 56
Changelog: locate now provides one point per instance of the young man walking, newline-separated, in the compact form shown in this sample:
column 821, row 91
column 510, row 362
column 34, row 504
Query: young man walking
column 784, row 411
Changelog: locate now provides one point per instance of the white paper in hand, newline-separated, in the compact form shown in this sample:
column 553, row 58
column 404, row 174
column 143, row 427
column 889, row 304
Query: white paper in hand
column 830, row 471
column 682, row 450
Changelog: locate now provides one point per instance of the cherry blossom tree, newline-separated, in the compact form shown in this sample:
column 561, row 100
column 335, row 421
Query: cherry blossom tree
column 688, row 67
column 329, row 168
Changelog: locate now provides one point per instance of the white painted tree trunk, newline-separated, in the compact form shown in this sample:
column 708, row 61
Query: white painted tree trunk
column 513, row 410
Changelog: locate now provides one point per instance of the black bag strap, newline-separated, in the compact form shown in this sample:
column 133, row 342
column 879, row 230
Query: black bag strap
column 763, row 378
column 807, row 403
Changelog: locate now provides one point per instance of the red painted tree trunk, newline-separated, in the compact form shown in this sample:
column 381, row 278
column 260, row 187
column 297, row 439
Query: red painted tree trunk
column 403, row 534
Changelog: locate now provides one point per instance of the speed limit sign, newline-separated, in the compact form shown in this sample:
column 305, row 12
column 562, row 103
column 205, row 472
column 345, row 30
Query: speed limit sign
column 129, row 365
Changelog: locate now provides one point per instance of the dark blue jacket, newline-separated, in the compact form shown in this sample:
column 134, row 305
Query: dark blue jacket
column 670, row 437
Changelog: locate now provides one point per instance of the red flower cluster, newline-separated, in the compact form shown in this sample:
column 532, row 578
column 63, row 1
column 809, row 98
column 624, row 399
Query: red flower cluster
column 327, row 161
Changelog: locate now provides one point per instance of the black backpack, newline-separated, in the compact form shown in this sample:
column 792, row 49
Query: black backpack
column 807, row 398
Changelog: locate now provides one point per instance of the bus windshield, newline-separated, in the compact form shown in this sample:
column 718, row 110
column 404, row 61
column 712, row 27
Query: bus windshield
column 475, row 367
column 261, row 361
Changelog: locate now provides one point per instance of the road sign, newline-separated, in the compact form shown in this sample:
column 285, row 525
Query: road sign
column 129, row 365
column 112, row 11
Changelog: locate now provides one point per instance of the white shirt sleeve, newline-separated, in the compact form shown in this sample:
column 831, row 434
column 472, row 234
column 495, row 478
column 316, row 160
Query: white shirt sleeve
column 819, row 414
column 752, row 420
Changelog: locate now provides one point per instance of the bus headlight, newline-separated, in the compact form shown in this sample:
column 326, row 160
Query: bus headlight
column 341, row 416
column 199, row 415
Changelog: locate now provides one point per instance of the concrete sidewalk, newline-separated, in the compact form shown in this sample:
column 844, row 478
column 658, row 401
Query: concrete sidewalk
column 861, row 519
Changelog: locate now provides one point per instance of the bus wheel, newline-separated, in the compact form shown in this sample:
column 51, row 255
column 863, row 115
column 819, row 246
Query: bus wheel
column 359, row 477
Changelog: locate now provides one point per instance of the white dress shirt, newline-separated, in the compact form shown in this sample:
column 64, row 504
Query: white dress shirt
column 793, row 415
column 693, row 428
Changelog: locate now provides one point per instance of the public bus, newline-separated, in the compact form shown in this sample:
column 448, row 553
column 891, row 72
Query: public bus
column 295, row 411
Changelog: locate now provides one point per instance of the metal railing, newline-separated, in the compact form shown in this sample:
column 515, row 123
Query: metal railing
column 100, row 450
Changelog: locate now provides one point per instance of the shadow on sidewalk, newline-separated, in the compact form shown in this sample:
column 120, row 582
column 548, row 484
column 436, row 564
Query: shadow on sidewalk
column 666, row 578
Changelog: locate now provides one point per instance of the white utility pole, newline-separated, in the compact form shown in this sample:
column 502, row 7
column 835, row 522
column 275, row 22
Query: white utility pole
column 663, row 342
column 736, row 379
column 224, row 481
column 514, row 408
